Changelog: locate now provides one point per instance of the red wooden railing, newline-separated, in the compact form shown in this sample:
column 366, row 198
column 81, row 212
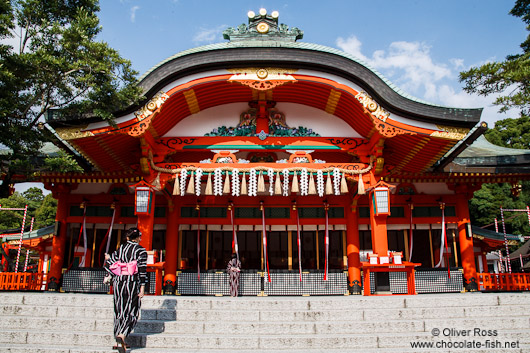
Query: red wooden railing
column 504, row 281
column 22, row 281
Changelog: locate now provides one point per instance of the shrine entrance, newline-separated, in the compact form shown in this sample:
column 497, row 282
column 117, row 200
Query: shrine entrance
column 216, row 248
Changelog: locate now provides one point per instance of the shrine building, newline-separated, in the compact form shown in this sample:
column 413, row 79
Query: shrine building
column 309, row 164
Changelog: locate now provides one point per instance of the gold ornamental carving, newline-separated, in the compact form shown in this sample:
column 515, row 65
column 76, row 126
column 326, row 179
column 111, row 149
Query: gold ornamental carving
column 263, row 27
column 263, row 78
column 151, row 106
column 450, row 132
column 73, row 133
column 372, row 106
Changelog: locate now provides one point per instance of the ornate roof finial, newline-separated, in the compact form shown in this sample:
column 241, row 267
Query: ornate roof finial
column 263, row 26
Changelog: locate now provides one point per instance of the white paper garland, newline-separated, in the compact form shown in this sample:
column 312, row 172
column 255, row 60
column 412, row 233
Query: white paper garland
column 235, row 182
column 286, row 182
column 183, row 176
column 336, row 181
column 304, row 183
column 270, row 172
column 252, row 183
column 198, row 176
column 218, row 182
column 320, row 183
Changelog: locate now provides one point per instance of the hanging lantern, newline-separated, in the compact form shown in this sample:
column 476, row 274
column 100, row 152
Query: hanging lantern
column 143, row 198
column 380, row 197
column 381, row 200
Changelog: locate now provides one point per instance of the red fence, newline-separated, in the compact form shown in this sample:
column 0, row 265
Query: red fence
column 22, row 281
column 504, row 281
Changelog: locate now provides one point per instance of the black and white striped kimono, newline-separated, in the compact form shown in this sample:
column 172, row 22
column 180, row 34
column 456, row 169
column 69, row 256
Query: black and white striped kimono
column 127, row 287
column 234, row 269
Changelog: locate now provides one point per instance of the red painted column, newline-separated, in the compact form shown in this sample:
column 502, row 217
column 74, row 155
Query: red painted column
column 379, row 232
column 145, row 225
column 172, row 241
column 262, row 118
column 59, row 241
column 352, row 250
column 466, row 244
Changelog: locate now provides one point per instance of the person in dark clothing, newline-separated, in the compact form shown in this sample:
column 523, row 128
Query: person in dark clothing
column 234, row 270
column 128, row 268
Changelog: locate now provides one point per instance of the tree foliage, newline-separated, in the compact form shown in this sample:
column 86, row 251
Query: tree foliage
column 510, row 78
column 45, row 214
column 63, row 162
column 59, row 66
column 42, row 208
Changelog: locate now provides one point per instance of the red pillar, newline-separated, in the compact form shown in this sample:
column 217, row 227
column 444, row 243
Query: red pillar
column 145, row 226
column 379, row 232
column 59, row 241
column 466, row 244
column 172, row 240
column 352, row 250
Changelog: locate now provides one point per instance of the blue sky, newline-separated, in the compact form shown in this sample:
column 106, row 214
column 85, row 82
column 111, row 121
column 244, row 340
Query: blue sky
column 420, row 45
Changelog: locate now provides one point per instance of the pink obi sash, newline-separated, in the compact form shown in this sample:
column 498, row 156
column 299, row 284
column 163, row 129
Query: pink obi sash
column 124, row 268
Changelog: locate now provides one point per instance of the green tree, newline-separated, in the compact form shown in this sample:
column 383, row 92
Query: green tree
column 34, row 195
column 45, row 213
column 510, row 79
column 13, row 219
column 60, row 68
column 63, row 162
column 42, row 208
column 513, row 133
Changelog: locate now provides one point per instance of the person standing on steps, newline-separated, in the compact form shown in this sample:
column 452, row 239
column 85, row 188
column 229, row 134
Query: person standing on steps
column 234, row 270
column 128, row 268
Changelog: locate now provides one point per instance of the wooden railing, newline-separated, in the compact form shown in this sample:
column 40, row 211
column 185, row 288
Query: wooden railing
column 22, row 281
column 504, row 281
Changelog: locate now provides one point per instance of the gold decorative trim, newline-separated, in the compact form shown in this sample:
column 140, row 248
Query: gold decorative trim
column 450, row 132
column 73, row 133
column 263, row 78
column 262, row 27
column 333, row 101
column 373, row 107
column 191, row 99
column 151, row 106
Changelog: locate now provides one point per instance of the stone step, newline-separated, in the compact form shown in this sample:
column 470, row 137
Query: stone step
column 322, row 341
column 59, row 322
column 261, row 328
column 72, row 338
column 45, row 323
column 59, row 349
column 273, row 303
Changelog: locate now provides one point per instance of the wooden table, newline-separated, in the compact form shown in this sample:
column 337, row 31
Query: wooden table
column 407, row 267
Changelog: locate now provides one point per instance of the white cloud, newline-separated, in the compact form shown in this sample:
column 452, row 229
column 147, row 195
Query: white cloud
column 411, row 67
column 352, row 45
column 458, row 64
column 209, row 35
column 133, row 13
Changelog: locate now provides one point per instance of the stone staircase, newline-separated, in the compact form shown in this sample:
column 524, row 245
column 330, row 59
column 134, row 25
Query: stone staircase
column 82, row 323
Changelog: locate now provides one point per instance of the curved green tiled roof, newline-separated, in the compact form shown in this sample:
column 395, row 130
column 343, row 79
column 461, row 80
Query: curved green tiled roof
column 293, row 45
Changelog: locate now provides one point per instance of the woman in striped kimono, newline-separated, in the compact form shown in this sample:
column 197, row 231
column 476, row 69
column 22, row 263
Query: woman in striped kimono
column 128, row 268
column 234, row 269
